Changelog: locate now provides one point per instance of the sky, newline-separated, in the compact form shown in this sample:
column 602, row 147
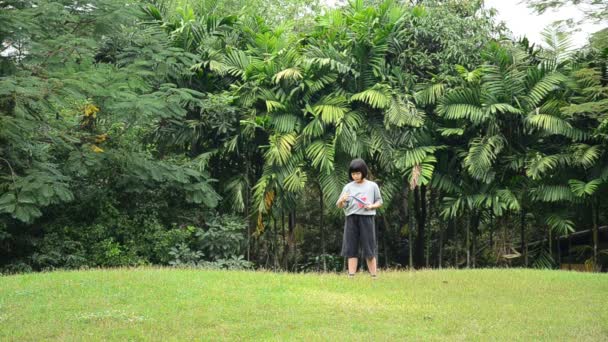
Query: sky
column 523, row 22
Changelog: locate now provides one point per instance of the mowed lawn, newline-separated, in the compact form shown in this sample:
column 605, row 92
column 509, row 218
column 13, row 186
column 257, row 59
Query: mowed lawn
column 184, row 304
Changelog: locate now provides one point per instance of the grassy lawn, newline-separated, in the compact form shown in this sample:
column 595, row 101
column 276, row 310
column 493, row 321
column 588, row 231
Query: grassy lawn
column 173, row 304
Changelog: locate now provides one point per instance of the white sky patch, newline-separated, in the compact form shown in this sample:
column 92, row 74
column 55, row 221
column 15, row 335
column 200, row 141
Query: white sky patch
column 522, row 21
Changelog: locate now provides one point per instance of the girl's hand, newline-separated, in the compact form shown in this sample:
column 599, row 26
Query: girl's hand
column 369, row 206
column 344, row 197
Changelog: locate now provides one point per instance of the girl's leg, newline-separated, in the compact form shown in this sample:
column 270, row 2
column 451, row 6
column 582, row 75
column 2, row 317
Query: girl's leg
column 368, row 241
column 350, row 242
column 352, row 265
column 371, row 265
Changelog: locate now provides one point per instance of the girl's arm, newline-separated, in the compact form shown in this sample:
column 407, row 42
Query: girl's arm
column 342, row 200
column 374, row 206
column 378, row 199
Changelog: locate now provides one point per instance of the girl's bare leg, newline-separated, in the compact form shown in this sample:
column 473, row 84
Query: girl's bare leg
column 371, row 265
column 352, row 265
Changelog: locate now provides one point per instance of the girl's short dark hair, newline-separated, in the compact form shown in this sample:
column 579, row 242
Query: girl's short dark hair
column 357, row 165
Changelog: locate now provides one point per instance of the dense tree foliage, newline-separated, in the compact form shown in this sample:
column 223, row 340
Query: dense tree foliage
column 218, row 134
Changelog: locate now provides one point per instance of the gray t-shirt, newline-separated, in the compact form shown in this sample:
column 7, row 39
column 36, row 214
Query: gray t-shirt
column 360, row 194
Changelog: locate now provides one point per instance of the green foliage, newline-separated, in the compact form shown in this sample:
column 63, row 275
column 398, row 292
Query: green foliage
column 184, row 256
column 560, row 225
column 130, row 132
column 222, row 237
column 219, row 245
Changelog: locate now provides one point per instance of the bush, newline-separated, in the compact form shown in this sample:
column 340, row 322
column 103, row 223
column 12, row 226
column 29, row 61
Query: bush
column 218, row 245
column 57, row 251
column 222, row 238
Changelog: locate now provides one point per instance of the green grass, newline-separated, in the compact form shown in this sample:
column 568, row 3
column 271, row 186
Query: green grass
column 173, row 304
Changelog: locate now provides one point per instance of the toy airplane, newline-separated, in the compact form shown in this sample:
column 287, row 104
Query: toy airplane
column 359, row 200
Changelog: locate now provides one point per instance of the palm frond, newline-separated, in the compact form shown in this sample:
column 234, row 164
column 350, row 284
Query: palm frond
column 414, row 156
column 469, row 76
column 558, row 44
column 509, row 199
column 280, row 148
column 604, row 173
column 401, row 113
column 286, row 123
column 331, row 108
column 331, row 185
column 462, row 104
column 544, row 87
column 582, row 189
column 503, row 108
column 293, row 74
column 554, row 125
column 237, row 62
column 446, row 132
column 236, row 190
column 328, row 58
column 539, row 164
column 296, row 180
column 453, row 207
column 422, row 174
column 481, row 156
column 377, row 96
column 430, row 95
column 552, row 193
column 445, row 183
column 322, row 155
column 314, row 129
column 559, row 224
column 585, row 155
column 263, row 191
column 272, row 106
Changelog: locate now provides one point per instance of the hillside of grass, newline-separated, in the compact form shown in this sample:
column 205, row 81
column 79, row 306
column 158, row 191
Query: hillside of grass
column 186, row 304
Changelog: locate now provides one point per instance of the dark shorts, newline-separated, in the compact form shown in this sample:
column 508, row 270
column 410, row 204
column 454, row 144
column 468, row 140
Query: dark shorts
column 359, row 232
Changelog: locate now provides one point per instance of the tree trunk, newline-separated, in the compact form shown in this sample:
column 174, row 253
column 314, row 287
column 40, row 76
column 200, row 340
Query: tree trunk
column 492, row 230
column 410, row 230
column 407, row 203
column 559, row 252
column 570, row 250
column 468, row 237
column 475, row 232
column 456, row 248
column 384, row 233
column 594, row 207
column 429, row 235
column 260, row 242
column 550, row 238
column 418, row 242
column 284, row 233
column 247, row 204
column 194, row 148
column 423, row 215
column 451, row 236
column 504, row 241
column 440, row 251
column 292, row 238
column 420, row 212
column 275, row 244
column 322, row 228
column 522, row 232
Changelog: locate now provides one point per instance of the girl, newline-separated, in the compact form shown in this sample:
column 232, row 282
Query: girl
column 360, row 198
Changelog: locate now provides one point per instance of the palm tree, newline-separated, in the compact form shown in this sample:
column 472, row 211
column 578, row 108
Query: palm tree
column 504, row 108
column 589, row 158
